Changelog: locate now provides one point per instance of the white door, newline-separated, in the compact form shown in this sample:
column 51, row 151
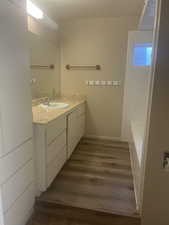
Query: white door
column 136, row 81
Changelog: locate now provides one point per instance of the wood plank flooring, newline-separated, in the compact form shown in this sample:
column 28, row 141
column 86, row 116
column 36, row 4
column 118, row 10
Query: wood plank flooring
column 94, row 187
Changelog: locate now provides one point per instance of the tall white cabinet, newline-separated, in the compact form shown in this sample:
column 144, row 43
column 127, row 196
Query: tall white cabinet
column 16, row 149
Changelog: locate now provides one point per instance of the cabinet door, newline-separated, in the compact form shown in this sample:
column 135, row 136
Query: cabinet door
column 55, row 166
column 72, row 132
column 81, row 126
column 76, row 127
column 15, row 95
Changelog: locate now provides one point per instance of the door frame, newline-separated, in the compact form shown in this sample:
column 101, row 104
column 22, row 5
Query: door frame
column 147, row 154
column 1, row 210
column 151, row 88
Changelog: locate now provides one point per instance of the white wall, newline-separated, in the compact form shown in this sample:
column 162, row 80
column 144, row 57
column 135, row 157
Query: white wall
column 90, row 42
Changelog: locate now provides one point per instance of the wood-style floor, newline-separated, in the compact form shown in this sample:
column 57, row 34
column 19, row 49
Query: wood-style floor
column 94, row 187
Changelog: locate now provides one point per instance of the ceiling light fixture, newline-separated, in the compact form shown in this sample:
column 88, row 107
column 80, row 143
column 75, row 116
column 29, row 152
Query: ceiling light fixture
column 34, row 11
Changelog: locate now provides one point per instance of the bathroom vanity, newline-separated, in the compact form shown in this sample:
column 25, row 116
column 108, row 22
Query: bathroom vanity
column 57, row 133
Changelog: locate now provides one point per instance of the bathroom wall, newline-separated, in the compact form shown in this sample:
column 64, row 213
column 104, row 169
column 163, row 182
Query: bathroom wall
column 97, row 41
column 44, row 50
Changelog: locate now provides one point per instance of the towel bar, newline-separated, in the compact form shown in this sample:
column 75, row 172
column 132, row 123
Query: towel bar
column 97, row 67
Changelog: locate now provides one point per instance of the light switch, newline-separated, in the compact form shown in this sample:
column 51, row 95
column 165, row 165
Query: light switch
column 103, row 82
column 109, row 83
column 97, row 82
column 91, row 82
column 116, row 83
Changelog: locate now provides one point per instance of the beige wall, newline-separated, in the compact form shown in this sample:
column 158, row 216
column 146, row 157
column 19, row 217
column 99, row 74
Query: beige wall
column 44, row 50
column 91, row 42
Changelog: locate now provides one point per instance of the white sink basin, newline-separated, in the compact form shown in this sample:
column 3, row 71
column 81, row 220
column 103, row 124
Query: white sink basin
column 55, row 105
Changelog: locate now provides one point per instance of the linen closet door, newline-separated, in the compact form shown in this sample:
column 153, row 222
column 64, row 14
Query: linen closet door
column 15, row 95
column 16, row 148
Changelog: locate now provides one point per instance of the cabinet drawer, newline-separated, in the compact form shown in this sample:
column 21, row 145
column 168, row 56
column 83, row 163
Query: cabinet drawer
column 19, row 212
column 81, row 109
column 17, row 184
column 12, row 162
column 55, row 166
column 54, row 148
column 55, row 128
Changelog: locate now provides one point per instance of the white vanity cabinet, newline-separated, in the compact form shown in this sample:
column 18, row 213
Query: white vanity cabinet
column 51, row 152
column 76, row 127
column 54, row 143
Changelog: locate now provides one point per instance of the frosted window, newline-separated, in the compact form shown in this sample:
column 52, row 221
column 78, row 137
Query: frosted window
column 142, row 55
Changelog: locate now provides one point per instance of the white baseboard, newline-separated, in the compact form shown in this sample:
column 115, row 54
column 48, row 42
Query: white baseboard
column 103, row 137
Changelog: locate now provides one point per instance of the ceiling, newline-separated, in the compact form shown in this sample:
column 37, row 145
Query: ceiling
column 60, row 10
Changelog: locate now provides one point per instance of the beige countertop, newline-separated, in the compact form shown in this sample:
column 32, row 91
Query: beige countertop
column 45, row 115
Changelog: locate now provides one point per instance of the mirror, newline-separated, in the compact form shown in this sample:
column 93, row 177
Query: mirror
column 44, row 52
